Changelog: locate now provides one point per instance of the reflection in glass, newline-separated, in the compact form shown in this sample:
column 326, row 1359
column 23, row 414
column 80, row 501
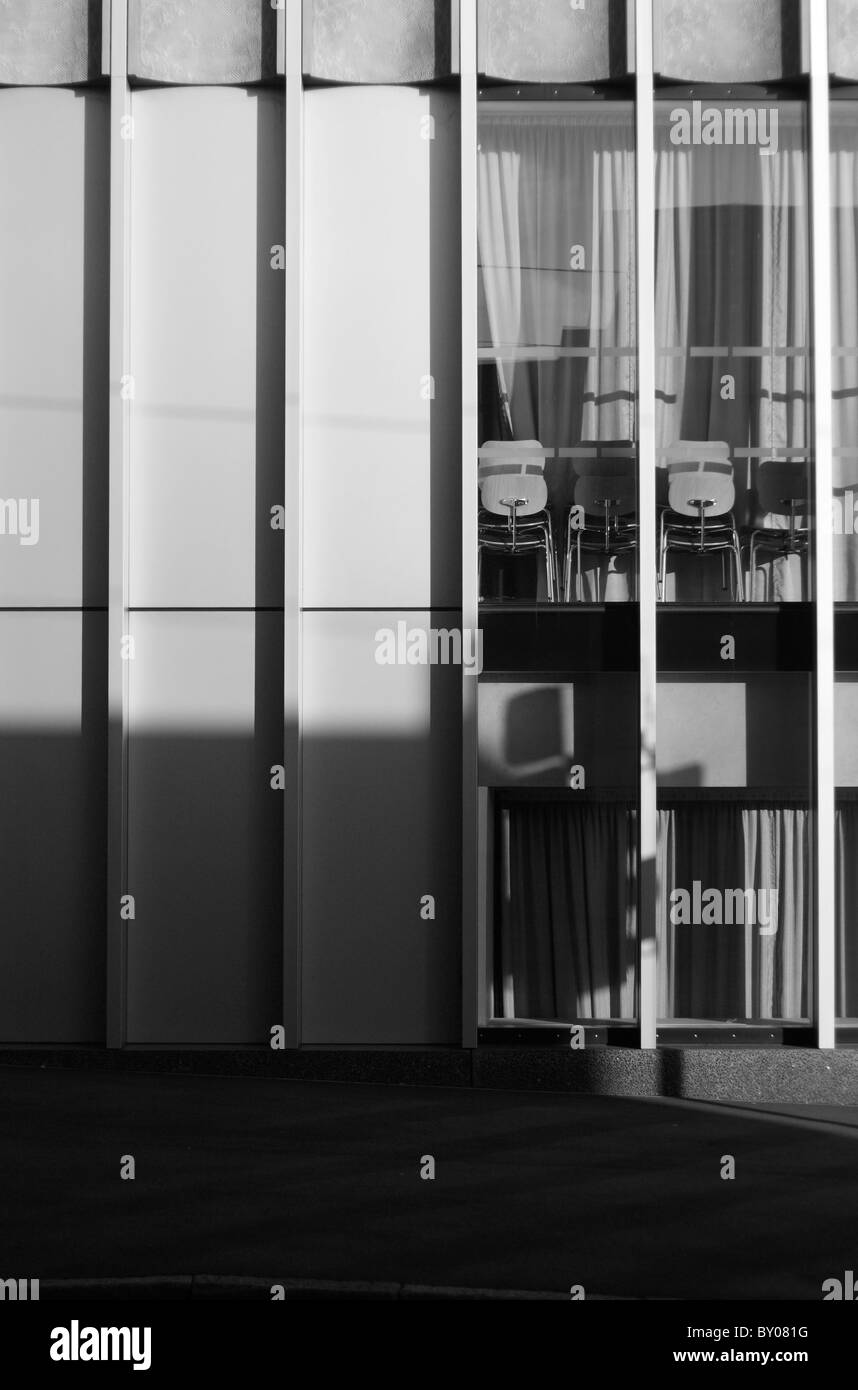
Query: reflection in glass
column 844, row 326
column 566, row 891
column 844, row 520
column 734, row 910
column 733, row 336
column 557, row 422
column 734, row 899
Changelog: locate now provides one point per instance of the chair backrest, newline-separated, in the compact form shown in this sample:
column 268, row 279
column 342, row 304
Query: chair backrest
column 592, row 491
column 778, row 481
column 609, row 458
column 695, row 450
column 512, row 470
column 709, row 483
column 699, row 471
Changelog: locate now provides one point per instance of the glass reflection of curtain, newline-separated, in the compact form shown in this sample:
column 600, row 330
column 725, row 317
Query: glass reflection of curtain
column 844, row 197
column 565, row 920
column 734, row 971
column 846, row 844
column 565, row 939
column 550, row 181
column 733, row 270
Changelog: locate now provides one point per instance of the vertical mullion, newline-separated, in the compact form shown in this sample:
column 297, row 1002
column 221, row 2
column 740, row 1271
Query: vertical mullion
column 471, row 867
column 824, row 769
column 121, row 145
column 645, row 254
column 293, row 472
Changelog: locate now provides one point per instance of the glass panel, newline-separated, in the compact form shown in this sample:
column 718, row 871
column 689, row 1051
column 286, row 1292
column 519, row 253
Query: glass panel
column 844, row 331
column 565, row 910
column 557, row 426
column 733, row 868
column 733, row 334
column 557, row 538
column 844, row 520
column 563, row 880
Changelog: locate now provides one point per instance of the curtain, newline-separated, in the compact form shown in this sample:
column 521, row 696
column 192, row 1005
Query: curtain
column 844, row 198
column 565, row 940
column 733, row 272
column 712, row 970
column 556, row 248
column 846, row 908
column 564, row 944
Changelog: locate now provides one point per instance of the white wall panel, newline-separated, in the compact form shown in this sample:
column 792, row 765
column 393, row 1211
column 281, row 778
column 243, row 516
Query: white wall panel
column 753, row 732
column 54, row 168
column 53, row 818
column 206, row 347
column 381, row 828
column 204, row 828
column 382, row 473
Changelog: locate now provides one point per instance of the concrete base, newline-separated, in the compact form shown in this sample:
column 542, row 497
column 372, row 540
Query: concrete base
column 790, row 1075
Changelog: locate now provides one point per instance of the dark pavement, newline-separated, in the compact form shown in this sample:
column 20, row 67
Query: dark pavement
column 533, row 1191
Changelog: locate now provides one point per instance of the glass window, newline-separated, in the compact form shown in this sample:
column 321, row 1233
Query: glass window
column 557, row 413
column 733, row 323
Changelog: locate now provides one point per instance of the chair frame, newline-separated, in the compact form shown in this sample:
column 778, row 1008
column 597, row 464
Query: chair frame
column 617, row 537
column 517, row 536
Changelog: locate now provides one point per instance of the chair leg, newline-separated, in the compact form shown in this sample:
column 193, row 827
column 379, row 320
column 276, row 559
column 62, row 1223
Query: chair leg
column 479, row 573
column 549, row 569
column 567, row 564
column 555, row 585
column 737, row 555
column 579, row 578
column 662, row 573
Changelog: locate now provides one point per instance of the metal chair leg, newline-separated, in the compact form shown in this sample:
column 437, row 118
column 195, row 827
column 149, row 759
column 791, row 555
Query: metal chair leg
column 662, row 575
column 737, row 556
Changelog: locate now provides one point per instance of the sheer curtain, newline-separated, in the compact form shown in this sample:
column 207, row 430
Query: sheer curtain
column 844, row 197
column 565, row 921
column 729, row 970
column 733, row 273
column 556, row 246
column 565, row 938
column 846, row 842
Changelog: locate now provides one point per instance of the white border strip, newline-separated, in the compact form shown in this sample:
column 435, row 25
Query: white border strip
column 293, row 495
column 121, row 146
column 472, row 888
column 647, row 822
column 824, row 767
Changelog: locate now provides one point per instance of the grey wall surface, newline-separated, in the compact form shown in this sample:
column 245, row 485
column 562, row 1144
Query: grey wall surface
column 382, row 314
column 531, row 734
column 205, row 703
column 53, row 454
column 843, row 38
column 47, row 42
column 731, row 41
column 550, row 41
column 734, row 733
column 207, row 348
column 53, row 821
column 202, row 41
column 381, row 780
column 205, row 828
column 382, row 821
column 54, row 229
column 378, row 40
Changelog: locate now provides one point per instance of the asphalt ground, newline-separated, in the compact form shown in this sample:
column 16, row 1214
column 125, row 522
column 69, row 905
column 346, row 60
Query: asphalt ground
column 247, row 1182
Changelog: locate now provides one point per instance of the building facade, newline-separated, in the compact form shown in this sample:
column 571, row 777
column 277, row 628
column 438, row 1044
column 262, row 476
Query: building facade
column 428, row 482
